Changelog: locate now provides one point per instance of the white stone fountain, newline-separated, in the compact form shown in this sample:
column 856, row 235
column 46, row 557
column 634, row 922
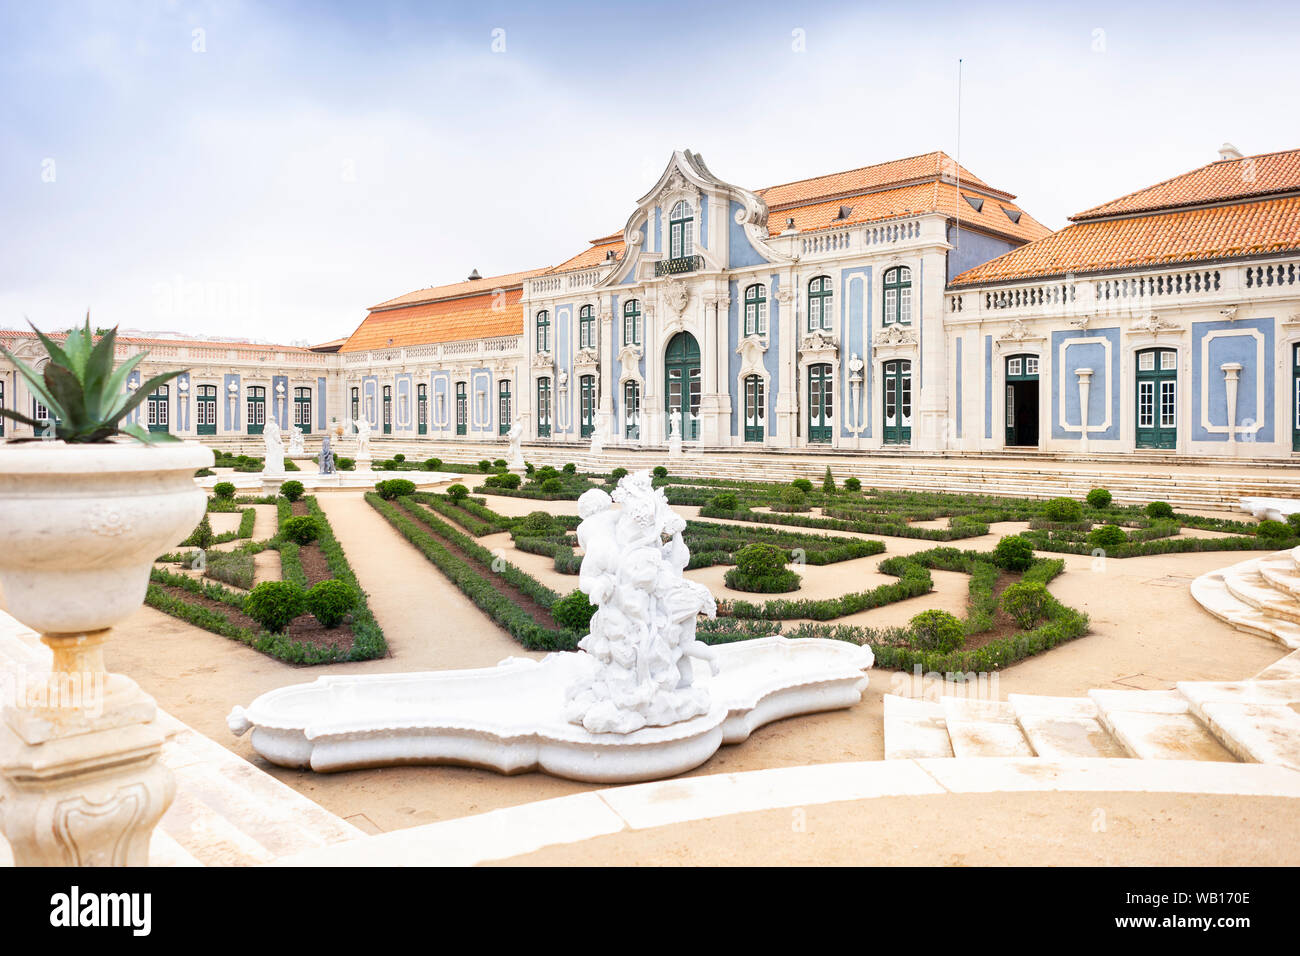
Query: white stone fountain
column 642, row 698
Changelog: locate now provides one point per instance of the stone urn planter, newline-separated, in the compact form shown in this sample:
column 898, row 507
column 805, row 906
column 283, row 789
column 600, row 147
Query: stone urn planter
column 81, row 526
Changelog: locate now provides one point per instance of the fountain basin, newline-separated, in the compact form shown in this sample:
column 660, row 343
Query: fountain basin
column 509, row 718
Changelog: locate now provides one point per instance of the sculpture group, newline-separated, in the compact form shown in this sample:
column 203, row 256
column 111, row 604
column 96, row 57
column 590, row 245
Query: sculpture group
column 643, row 632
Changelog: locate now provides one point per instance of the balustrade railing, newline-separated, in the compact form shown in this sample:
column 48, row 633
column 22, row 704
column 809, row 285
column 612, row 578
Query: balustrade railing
column 672, row 267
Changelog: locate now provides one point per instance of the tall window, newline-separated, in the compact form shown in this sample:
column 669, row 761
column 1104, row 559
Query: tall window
column 632, row 410
column 205, row 410
column 388, row 409
column 462, row 409
column 504, row 412
column 543, row 407
column 755, row 310
column 2, row 405
column 158, row 407
column 302, row 408
column 898, row 296
column 755, row 408
column 681, row 231
column 632, row 322
column 356, row 404
column 543, row 331
column 821, row 302
column 587, row 405
column 586, row 327
column 422, row 409
column 256, row 409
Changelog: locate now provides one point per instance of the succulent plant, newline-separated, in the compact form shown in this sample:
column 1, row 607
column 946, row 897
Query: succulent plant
column 84, row 394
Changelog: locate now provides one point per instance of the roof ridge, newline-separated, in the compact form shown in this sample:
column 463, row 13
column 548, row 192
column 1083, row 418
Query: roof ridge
column 842, row 172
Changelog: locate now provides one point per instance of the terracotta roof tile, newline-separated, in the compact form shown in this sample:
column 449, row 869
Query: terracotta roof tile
column 154, row 342
column 450, row 320
column 594, row 254
column 1224, row 180
column 467, row 287
column 864, row 179
column 1190, row 235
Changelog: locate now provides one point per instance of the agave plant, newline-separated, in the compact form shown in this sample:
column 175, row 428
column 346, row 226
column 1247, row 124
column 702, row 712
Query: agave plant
column 84, row 394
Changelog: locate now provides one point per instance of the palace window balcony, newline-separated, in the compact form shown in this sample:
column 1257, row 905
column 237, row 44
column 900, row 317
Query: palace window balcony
column 672, row 267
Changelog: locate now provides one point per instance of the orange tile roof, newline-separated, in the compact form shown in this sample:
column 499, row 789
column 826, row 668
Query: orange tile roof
column 898, row 171
column 1189, row 235
column 147, row 341
column 1225, row 180
column 448, row 320
column 594, row 254
column 466, row 287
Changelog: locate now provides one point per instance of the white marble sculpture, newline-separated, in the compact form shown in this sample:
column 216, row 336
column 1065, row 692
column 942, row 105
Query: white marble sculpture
column 363, row 442
column 598, row 440
column 274, row 443
column 515, row 456
column 674, row 433
column 295, row 441
column 643, row 630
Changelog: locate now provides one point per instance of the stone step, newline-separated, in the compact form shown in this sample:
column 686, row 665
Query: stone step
column 1288, row 668
column 1247, row 584
column 984, row 728
column 1280, row 571
column 1156, row 725
column 1257, row 720
column 1212, row 593
column 914, row 728
column 1063, row 726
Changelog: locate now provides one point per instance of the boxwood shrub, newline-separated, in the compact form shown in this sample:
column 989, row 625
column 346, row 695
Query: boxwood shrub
column 1013, row 553
column 224, row 489
column 293, row 490
column 274, row 604
column 300, row 529
column 1099, row 498
column 330, row 601
column 1063, row 509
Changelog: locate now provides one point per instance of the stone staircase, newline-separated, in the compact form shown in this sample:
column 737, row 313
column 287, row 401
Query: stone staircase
column 1255, row 720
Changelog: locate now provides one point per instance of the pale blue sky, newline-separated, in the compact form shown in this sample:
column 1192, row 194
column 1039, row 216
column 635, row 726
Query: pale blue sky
column 311, row 160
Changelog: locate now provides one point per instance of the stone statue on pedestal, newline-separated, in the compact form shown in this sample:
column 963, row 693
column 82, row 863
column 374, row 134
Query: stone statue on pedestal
column 274, row 443
column 363, row 440
column 326, row 460
column 295, row 441
column 515, row 456
column 643, row 632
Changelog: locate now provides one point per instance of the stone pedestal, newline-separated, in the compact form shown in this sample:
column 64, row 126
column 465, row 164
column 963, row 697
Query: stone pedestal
column 80, row 772
column 271, row 483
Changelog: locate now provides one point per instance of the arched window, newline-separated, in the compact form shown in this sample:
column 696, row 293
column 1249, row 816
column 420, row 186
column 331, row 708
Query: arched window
column 681, row 231
column 543, row 331
column 898, row 296
column 632, row 322
column 821, row 302
column 586, row 327
column 755, row 310
column 632, row 410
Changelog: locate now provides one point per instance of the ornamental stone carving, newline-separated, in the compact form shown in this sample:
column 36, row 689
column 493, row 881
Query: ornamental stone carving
column 895, row 335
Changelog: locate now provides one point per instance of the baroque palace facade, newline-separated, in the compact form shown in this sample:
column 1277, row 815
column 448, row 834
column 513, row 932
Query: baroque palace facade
column 907, row 305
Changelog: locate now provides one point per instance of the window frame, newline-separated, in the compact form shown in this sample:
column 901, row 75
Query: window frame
column 586, row 327
column 897, row 298
column 821, row 304
column 755, row 321
column 681, row 230
column 632, row 310
column 542, row 329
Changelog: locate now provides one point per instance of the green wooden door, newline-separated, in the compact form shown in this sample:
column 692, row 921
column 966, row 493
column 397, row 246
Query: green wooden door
column 755, row 408
column 205, row 410
column 462, row 409
column 543, row 408
column 504, row 415
column 682, row 385
column 587, row 405
column 898, row 402
column 422, row 409
column 1022, row 400
column 821, row 402
column 256, row 409
column 1157, row 398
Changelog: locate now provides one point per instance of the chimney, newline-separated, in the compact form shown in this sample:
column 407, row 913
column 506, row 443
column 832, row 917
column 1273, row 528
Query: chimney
column 473, row 276
column 789, row 224
column 1228, row 151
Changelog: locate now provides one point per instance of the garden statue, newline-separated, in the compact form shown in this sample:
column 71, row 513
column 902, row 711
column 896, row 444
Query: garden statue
column 674, row 432
column 363, row 441
column 515, row 436
column 643, row 630
column 326, row 460
column 274, row 442
column 598, row 440
column 295, row 441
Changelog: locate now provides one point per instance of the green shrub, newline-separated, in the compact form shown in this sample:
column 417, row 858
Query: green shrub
column 828, row 482
column 224, row 489
column 536, row 523
column 936, row 630
column 204, row 473
column 1273, row 530
column 395, row 488
column 1160, row 509
column 1099, row 498
column 617, row 475
column 552, row 486
column 433, row 464
column 757, row 560
column 231, row 567
column 511, row 481
column 794, row 499
column 1027, row 602
column 202, row 536
column 660, row 471
column 1107, row 536
column 1293, row 522
column 852, row 484
column 529, row 468
column 492, row 481
column 727, row 501
column 345, row 464
column 274, row 604
column 484, row 465
column 458, row 492
column 293, row 490
column 399, row 457
column 1063, row 510
column 574, row 611
column 500, row 463
column 330, row 601
column 1013, row 553
column 570, row 469
column 300, row 529
column 803, row 484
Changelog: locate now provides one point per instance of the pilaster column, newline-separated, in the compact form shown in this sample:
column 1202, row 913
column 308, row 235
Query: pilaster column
column 1085, row 389
column 1231, row 378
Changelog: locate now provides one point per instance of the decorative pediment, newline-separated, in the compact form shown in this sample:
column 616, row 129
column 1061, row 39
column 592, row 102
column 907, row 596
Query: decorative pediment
column 1155, row 326
column 895, row 335
column 586, row 358
column 1018, row 336
column 542, row 360
column 821, row 345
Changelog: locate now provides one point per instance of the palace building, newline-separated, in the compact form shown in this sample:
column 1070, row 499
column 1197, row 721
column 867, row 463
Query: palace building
column 905, row 305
